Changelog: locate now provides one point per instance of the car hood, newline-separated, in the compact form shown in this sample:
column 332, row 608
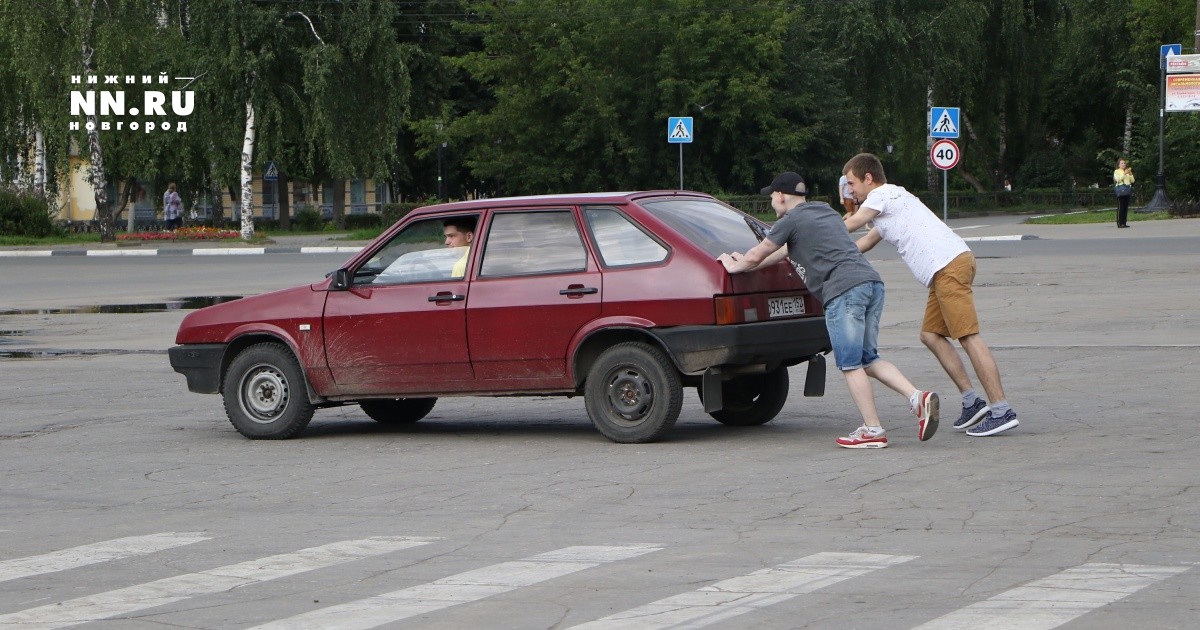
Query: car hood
column 217, row 323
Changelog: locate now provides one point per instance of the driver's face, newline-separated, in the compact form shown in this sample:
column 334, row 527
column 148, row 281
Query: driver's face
column 456, row 237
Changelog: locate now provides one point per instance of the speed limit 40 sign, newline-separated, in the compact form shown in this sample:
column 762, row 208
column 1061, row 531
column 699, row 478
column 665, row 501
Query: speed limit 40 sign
column 944, row 154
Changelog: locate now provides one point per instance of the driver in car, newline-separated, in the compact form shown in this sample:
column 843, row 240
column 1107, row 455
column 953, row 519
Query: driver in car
column 459, row 231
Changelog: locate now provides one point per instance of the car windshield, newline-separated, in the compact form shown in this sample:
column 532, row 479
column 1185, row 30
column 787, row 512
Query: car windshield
column 713, row 226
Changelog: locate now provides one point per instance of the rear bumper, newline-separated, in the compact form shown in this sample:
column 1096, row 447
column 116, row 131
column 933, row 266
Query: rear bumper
column 201, row 364
column 784, row 342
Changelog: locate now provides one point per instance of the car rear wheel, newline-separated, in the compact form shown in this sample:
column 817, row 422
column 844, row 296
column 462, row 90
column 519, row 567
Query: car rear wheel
column 265, row 395
column 633, row 393
column 398, row 410
column 753, row 399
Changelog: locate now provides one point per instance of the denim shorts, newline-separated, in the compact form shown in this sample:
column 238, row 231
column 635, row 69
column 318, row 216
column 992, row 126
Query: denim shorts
column 852, row 319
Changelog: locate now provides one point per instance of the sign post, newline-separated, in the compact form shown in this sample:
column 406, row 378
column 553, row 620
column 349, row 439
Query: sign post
column 271, row 174
column 679, row 131
column 1159, row 201
column 944, row 155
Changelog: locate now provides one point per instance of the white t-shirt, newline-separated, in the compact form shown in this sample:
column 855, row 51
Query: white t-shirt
column 925, row 243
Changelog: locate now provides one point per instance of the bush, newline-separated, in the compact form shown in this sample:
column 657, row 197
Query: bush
column 393, row 212
column 362, row 221
column 308, row 219
column 24, row 215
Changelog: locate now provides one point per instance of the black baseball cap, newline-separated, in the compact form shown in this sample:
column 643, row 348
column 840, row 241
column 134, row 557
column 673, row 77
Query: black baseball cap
column 788, row 183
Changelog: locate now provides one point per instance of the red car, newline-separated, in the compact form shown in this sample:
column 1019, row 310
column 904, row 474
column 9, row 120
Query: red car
column 617, row 297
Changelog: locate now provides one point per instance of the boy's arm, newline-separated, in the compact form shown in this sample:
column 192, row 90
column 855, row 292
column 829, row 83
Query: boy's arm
column 860, row 218
column 871, row 239
column 751, row 260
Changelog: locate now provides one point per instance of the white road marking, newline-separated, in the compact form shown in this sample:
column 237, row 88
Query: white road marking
column 341, row 249
column 94, row 553
column 1007, row 237
column 26, row 253
column 1050, row 602
column 229, row 251
column 168, row 590
column 970, row 227
column 740, row 595
column 457, row 589
column 122, row 252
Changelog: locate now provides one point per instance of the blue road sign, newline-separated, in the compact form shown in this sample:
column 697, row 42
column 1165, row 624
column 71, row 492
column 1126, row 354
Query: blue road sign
column 943, row 122
column 679, row 129
column 1168, row 49
column 270, row 171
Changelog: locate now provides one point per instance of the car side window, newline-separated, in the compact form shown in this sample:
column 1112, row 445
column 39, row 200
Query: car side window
column 619, row 241
column 523, row 243
column 418, row 253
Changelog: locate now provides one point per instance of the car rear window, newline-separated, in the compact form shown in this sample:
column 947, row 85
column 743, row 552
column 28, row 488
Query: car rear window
column 713, row 226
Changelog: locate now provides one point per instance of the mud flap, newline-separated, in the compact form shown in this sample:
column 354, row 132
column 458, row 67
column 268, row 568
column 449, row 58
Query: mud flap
column 814, row 382
column 710, row 387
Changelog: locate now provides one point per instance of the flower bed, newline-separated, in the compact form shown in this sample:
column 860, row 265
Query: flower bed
column 183, row 234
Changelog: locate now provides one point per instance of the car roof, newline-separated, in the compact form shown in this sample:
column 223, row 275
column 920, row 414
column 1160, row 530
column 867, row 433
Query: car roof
column 566, row 199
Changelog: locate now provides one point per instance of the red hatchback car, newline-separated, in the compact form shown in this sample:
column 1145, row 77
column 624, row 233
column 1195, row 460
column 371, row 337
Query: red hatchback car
column 614, row 296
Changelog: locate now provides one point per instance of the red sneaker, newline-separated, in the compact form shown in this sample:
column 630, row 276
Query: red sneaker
column 862, row 437
column 927, row 415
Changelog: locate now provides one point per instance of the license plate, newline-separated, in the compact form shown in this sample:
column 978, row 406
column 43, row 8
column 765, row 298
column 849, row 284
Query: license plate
column 784, row 307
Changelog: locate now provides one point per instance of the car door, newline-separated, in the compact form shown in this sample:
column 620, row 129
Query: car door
column 401, row 327
column 536, row 287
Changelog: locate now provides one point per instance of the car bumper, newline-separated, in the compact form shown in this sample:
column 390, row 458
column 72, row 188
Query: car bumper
column 784, row 342
column 201, row 364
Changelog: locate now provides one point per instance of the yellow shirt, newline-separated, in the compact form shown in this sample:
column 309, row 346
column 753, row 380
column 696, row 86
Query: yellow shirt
column 460, row 267
column 1121, row 177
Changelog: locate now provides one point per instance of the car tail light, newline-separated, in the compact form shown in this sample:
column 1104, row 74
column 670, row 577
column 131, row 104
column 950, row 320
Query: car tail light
column 736, row 309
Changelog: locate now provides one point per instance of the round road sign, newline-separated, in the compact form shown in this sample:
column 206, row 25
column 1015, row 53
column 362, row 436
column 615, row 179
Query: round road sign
column 944, row 154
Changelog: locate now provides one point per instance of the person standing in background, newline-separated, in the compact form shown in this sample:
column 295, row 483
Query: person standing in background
column 1123, row 185
column 172, row 207
column 846, row 196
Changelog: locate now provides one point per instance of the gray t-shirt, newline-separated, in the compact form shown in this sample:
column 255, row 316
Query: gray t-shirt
column 817, row 240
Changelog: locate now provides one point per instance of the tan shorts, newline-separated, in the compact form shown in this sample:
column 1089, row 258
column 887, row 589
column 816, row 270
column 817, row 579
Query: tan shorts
column 950, row 311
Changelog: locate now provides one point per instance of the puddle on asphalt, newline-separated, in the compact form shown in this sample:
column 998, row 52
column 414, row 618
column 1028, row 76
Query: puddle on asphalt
column 52, row 353
column 181, row 304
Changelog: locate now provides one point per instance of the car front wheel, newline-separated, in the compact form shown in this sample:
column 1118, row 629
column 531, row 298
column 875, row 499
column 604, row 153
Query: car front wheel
column 264, row 393
column 633, row 393
column 398, row 410
column 752, row 399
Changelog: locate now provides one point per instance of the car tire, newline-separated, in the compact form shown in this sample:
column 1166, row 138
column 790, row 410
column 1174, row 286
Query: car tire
column 397, row 411
column 265, row 395
column 753, row 399
column 633, row 393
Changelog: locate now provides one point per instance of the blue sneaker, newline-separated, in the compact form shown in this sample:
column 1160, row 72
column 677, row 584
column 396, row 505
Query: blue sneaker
column 972, row 415
column 994, row 425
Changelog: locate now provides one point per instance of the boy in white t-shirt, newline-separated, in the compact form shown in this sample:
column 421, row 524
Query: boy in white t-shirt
column 941, row 261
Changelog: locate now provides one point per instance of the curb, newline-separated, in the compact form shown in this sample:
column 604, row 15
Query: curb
column 200, row 251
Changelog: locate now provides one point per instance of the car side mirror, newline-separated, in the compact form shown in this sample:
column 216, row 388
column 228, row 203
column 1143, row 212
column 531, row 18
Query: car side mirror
column 341, row 280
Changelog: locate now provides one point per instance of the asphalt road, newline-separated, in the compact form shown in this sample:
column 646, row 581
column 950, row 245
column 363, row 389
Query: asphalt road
column 125, row 497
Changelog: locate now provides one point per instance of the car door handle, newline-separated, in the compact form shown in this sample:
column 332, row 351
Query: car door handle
column 447, row 297
column 577, row 290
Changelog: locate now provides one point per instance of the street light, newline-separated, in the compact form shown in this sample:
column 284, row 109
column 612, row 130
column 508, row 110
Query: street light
column 441, row 145
column 890, row 148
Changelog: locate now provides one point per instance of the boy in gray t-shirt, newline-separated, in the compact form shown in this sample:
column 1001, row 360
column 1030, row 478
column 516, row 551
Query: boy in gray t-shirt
column 852, row 292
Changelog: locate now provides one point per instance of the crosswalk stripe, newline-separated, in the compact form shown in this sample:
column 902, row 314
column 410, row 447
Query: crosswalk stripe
column 180, row 587
column 740, row 595
column 94, row 553
column 457, row 589
column 1055, row 600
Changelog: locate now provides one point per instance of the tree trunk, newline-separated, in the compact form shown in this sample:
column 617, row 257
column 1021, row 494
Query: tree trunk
column 339, row 203
column 39, row 163
column 108, row 231
column 931, row 180
column 217, row 198
column 1127, row 142
column 283, row 200
column 247, row 196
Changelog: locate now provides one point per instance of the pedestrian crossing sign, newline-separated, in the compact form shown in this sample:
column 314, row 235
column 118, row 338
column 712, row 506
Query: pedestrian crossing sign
column 943, row 122
column 679, row 129
column 271, row 172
